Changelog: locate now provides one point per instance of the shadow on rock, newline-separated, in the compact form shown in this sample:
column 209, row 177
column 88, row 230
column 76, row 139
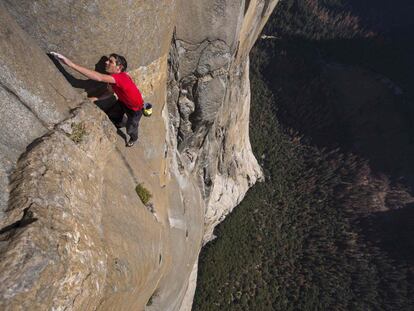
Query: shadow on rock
column 92, row 88
column 26, row 220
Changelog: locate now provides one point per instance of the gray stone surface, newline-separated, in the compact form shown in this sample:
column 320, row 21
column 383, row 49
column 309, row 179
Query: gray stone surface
column 210, row 20
column 86, row 30
column 52, row 253
column 33, row 96
column 19, row 127
column 209, row 97
column 189, row 55
column 5, row 167
column 215, row 55
column 29, row 75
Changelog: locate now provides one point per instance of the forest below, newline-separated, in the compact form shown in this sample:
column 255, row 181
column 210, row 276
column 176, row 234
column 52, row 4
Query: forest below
column 331, row 124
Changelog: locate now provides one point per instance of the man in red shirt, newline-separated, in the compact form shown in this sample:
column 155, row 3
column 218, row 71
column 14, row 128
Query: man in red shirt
column 130, row 102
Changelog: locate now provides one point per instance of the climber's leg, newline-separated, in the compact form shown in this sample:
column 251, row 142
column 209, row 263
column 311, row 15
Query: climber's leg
column 132, row 124
column 116, row 114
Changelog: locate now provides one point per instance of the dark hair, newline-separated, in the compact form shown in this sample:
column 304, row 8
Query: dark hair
column 120, row 60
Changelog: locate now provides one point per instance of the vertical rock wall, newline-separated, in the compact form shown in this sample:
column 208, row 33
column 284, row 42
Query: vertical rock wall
column 33, row 97
column 74, row 234
column 209, row 99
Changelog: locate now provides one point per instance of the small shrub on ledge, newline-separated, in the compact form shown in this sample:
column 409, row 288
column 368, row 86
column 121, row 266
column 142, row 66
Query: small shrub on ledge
column 78, row 132
column 143, row 193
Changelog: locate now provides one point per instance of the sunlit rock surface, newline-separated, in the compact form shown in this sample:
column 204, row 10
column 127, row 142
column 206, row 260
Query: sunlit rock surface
column 74, row 234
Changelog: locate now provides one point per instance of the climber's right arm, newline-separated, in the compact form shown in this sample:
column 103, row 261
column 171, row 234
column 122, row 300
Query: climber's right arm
column 91, row 74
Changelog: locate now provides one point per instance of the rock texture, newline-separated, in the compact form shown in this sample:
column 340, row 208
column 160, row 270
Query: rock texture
column 30, row 102
column 74, row 235
column 209, row 99
column 52, row 256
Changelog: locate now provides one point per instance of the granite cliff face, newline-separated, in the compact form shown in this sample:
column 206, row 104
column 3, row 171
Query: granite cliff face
column 74, row 234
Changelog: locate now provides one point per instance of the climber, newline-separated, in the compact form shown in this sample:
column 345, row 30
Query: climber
column 130, row 102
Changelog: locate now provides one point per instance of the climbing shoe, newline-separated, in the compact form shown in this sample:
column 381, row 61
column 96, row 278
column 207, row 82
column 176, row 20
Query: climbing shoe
column 130, row 143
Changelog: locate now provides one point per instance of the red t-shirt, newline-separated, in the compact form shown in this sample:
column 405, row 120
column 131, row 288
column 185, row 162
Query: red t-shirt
column 127, row 91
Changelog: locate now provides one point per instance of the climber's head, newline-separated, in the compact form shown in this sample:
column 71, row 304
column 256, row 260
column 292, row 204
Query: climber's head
column 115, row 64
